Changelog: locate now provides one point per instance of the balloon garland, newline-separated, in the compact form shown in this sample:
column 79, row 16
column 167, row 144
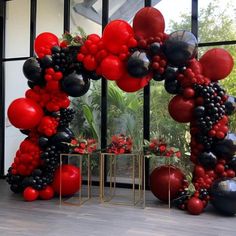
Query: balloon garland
column 130, row 56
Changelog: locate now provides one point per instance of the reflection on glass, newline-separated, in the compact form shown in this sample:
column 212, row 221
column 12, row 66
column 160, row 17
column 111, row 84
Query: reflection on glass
column 17, row 29
column 50, row 16
column 217, row 20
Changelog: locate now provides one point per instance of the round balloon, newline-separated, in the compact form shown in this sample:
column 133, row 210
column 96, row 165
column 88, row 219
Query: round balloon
column 70, row 177
column 47, row 193
column 195, row 206
column 217, row 63
column 30, row 194
column 32, row 70
column 24, row 113
column 181, row 109
column 148, row 22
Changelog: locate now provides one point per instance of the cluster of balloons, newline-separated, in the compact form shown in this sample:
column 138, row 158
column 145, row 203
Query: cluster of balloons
column 130, row 56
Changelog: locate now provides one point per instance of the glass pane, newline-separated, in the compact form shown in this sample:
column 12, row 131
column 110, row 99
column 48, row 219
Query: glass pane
column 15, row 87
column 217, row 20
column 50, row 17
column 17, row 29
column 177, row 14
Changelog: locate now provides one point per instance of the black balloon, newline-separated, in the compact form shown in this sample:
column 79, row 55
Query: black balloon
column 155, row 48
column 138, row 64
column 208, row 160
column 223, row 195
column 232, row 163
column 47, row 61
column 25, row 131
column 75, row 85
column 63, row 135
column 172, row 85
column 180, row 47
column 158, row 77
column 32, row 70
column 230, row 105
column 199, row 111
column 43, row 142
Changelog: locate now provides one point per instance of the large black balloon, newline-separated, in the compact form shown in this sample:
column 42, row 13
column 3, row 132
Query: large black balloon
column 180, row 47
column 138, row 64
column 32, row 70
column 208, row 160
column 63, row 135
column 75, row 85
column 43, row 142
column 223, row 195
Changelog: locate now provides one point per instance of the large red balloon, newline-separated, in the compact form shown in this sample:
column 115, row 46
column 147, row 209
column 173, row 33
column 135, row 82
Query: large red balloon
column 70, row 180
column 164, row 179
column 112, row 68
column 24, row 113
column 45, row 40
column 30, row 194
column 131, row 84
column 181, row 109
column 148, row 22
column 217, row 63
column 195, row 206
column 116, row 34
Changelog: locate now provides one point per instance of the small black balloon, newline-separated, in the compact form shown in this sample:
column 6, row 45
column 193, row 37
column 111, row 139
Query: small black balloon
column 158, row 77
column 208, row 160
column 180, row 47
column 60, row 137
column 199, row 111
column 43, row 142
column 75, row 85
column 37, row 172
column 172, row 85
column 232, row 163
column 155, row 48
column 138, row 64
column 46, row 61
column 223, row 195
column 32, row 70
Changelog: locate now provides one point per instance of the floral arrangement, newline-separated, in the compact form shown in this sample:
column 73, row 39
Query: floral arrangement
column 83, row 146
column 120, row 144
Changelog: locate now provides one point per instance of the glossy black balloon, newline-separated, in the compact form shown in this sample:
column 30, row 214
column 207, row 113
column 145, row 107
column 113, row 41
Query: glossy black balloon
column 230, row 105
column 158, row 77
column 43, row 142
column 208, row 160
column 138, row 64
column 32, row 70
column 75, row 85
column 232, row 163
column 172, row 85
column 60, row 138
column 199, row 111
column 180, row 47
column 67, row 130
column 155, row 48
column 46, row 61
column 223, row 195
column 25, row 131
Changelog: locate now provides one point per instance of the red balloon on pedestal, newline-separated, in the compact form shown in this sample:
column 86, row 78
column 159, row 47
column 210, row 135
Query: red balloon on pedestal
column 24, row 113
column 70, row 180
column 148, row 22
column 30, row 194
column 181, row 109
column 47, row 193
column 216, row 63
column 164, row 177
column 195, row 206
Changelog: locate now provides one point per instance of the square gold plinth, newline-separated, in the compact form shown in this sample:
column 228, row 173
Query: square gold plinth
column 111, row 193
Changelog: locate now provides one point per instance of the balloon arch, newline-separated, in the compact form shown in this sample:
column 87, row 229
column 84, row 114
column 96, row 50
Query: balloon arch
column 130, row 56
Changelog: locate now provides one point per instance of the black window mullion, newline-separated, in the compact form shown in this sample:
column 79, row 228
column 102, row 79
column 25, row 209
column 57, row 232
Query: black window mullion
column 33, row 12
column 66, row 16
column 194, row 18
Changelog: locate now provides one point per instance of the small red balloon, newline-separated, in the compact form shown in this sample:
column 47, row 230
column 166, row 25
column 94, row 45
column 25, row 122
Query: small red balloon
column 45, row 40
column 70, row 180
column 164, row 178
column 112, row 68
column 181, row 109
column 30, row 194
column 24, row 113
column 148, row 22
column 195, row 206
column 195, row 66
column 47, row 193
column 217, row 64
column 188, row 93
column 199, row 171
column 116, row 34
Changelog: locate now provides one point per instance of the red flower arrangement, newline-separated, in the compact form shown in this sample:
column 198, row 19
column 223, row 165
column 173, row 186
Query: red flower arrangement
column 83, row 146
column 120, row 144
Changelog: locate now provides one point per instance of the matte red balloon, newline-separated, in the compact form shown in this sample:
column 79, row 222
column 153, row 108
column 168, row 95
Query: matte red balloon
column 112, row 68
column 217, row 64
column 181, row 109
column 148, row 22
column 164, row 177
column 116, row 34
column 45, row 40
column 30, row 194
column 195, row 66
column 24, row 113
column 70, row 180
column 195, row 206
column 47, row 193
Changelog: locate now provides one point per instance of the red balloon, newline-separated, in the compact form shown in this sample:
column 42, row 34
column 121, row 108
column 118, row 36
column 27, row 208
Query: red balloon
column 195, row 66
column 30, row 194
column 164, row 177
column 45, row 40
column 112, row 68
column 24, row 113
column 47, row 193
column 181, row 109
column 70, row 180
column 217, row 63
column 195, row 206
column 116, row 34
column 148, row 22
column 131, row 84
